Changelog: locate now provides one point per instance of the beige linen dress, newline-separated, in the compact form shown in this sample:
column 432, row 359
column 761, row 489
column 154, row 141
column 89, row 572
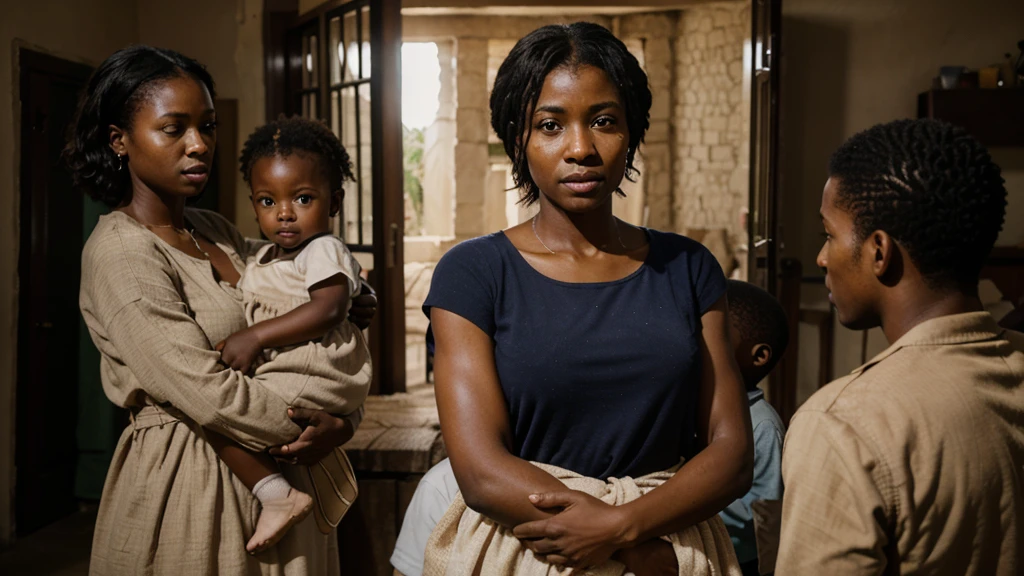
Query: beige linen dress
column 169, row 505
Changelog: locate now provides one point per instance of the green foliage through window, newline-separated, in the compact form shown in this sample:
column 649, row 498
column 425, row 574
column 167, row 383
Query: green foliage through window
column 412, row 161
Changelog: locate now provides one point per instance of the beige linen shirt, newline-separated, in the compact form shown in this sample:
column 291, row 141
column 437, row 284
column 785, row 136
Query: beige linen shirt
column 914, row 463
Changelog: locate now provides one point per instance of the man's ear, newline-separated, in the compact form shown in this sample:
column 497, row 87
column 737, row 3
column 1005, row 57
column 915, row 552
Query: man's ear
column 117, row 140
column 882, row 248
column 885, row 257
column 761, row 354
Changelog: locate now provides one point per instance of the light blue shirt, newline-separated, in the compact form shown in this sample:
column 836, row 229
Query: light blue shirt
column 768, row 433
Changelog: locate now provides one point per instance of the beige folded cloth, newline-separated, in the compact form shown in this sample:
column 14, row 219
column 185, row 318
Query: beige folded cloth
column 465, row 543
column 334, row 489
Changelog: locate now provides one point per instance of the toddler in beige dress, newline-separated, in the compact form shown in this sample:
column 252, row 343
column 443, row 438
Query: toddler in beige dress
column 297, row 292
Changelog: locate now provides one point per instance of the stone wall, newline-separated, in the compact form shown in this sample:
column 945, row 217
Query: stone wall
column 655, row 159
column 712, row 119
column 439, row 152
column 471, row 127
column 694, row 162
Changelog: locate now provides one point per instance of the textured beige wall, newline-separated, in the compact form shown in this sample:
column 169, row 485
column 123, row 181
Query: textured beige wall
column 712, row 119
column 84, row 31
column 307, row 5
column 656, row 34
column 229, row 42
column 439, row 153
column 848, row 66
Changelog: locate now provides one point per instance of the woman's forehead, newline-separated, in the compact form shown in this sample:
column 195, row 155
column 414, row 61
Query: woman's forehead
column 180, row 95
column 577, row 82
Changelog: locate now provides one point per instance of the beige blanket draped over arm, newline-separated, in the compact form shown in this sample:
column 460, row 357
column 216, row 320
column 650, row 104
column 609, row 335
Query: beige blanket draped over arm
column 467, row 543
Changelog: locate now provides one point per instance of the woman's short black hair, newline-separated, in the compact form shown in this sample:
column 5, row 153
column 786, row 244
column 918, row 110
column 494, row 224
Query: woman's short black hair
column 112, row 96
column 932, row 187
column 296, row 135
column 759, row 319
column 521, row 77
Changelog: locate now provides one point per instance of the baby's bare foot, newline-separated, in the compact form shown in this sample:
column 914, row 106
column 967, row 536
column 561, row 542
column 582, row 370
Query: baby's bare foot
column 277, row 517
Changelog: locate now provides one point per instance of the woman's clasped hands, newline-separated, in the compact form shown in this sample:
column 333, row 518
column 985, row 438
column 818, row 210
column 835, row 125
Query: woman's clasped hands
column 585, row 532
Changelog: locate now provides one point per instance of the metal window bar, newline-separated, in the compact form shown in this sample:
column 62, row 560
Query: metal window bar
column 358, row 134
column 361, row 77
column 311, row 89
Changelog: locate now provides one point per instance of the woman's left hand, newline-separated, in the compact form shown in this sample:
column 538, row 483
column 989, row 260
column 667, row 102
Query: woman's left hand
column 586, row 531
column 364, row 306
column 322, row 434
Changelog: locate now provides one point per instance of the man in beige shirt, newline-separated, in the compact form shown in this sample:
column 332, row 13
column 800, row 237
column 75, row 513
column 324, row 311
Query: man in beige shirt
column 914, row 463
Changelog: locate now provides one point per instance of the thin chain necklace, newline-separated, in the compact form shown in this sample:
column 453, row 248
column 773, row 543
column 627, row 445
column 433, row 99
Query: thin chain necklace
column 179, row 231
column 533, row 224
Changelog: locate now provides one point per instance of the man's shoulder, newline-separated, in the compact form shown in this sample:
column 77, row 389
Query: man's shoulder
column 859, row 403
column 923, row 376
column 826, row 397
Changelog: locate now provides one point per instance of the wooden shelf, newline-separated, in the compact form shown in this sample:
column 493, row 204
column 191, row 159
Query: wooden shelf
column 1011, row 254
column 994, row 116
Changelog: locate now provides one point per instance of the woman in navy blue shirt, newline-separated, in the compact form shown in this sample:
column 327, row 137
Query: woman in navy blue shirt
column 578, row 340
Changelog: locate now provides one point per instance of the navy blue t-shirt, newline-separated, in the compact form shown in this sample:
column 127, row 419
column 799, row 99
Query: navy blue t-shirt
column 599, row 378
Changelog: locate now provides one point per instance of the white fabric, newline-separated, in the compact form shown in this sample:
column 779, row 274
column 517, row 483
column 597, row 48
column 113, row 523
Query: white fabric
column 275, row 283
column 285, row 278
column 270, row 488
column 434, row 494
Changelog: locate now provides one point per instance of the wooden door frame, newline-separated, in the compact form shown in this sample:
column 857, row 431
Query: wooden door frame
column 388, row 238
column 279, row 16
column 771, row 53
column 31, row 62
column 780, row 278
column 388, row 279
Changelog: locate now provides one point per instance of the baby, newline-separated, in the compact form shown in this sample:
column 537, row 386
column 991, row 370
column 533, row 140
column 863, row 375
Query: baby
column 297, row 292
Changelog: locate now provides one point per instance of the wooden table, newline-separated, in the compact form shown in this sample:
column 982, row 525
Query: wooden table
column 398, row 441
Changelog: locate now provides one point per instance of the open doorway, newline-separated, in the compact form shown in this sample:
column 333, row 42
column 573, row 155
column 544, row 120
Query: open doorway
column 65, row 429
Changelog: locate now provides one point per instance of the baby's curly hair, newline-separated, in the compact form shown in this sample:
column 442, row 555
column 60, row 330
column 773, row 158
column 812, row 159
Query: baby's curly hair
column 296, row 135
column 932, row 187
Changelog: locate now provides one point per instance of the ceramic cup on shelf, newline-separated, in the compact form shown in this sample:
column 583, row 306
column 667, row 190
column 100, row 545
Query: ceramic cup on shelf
column 950, row 75
column 988, row 77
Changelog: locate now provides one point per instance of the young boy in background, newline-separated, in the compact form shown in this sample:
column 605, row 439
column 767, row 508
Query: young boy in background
column 760, row 336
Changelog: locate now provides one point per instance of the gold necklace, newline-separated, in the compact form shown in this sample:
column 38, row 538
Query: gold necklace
column 533, row 224
column 180, row 231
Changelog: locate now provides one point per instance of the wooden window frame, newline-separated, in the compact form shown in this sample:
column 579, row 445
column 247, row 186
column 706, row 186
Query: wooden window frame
column 282, row 33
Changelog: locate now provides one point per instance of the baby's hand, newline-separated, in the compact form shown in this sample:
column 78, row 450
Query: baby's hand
column 240, row 350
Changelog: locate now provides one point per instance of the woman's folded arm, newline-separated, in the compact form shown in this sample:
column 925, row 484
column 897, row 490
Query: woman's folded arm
column 474, row 422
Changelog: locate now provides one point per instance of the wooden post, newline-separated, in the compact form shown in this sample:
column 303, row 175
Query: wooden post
column 388, row 201
column 782, row 387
